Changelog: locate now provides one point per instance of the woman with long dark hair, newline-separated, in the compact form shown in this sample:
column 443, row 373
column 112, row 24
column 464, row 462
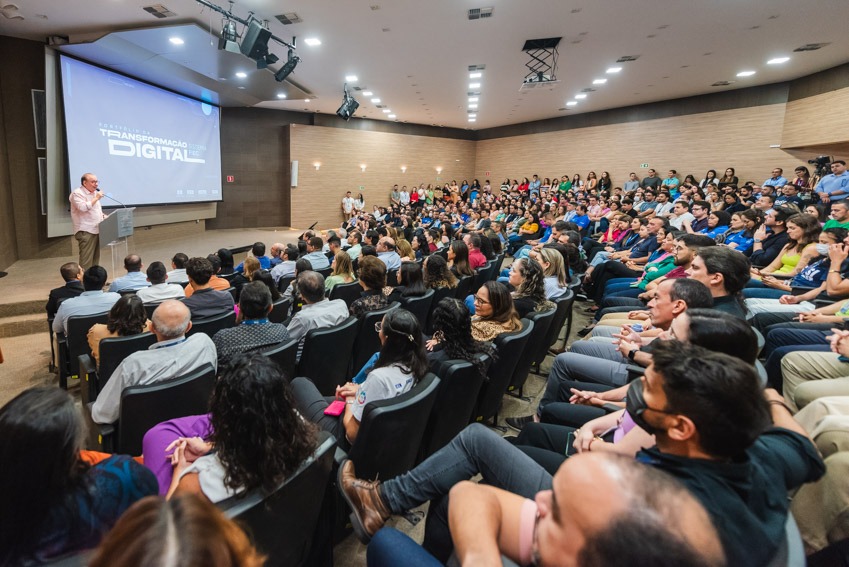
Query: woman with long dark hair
column 264, row 276
column 420, row 245
column 252, row 437
column 528, row 280
column 452, row 335
column 127, row 317
column 227, row 264
column 401, row 363
column 437, row 274
column 458, row 259
column 494, row 312
column 55, row 498
column 410, row 282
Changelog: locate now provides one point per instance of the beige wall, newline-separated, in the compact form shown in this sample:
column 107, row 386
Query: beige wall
column 740, row 138
column 341, row 152
column 816, row 120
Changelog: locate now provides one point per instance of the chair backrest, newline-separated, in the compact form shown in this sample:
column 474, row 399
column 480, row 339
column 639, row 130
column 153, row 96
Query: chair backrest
column 234, row 292
column 563, row 306
column 285, row 355
column 325, row 272
column 347, row 292
column 281, row 523
column 442, row 252
column 464, row 287
column 391, row 432
column 211, row 325
column 280, row 310
column 538, row 350
column 115, row 349
column 326, row 356
column 419, row 306
column 459, row 385
column 438, row 295
column 542, row 321
column 283, row 283
column 484, row 275
column 509, row 347
column 142, row 407
column 78, row 337
column 392, row 277
column 126, row 292
column 368, row 341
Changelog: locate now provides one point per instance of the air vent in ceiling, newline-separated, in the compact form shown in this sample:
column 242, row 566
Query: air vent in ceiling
column 159, row 11
column 359, row 88
column 473, row 68
column 380, row 106
column 721, row 83
column 627, row 58
column 480, row 13
column 562, row 109
column 811, row 47
column 289, row 18
column 588, row 90
column 473, row 93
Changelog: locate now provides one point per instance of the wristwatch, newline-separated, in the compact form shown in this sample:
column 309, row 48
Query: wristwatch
column 632, row 353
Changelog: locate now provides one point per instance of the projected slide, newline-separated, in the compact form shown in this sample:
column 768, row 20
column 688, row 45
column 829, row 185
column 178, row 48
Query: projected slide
column 146, row 145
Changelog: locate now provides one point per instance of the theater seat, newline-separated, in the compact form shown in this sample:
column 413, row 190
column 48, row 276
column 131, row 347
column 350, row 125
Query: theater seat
column 509, row 347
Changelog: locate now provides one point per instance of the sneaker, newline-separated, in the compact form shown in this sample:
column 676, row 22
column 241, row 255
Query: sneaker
column 368, row 511
column 519, row 422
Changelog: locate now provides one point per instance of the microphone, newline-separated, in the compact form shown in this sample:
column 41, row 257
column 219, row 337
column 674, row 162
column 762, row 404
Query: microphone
column 108, row 196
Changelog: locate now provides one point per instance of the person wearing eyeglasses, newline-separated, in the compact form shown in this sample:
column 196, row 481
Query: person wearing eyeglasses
column 494, row 312
column 402, row 362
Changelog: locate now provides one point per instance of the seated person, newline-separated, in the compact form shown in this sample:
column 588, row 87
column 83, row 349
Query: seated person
column 254, row 332
column 215, row 282
column 72, row 273
column 400, row 366
column 452, row 335
column 92, row 301
column 156, row 531
column 802, row 235
column 172, row 356
column 317, row 311
column 134, row 279
column 258, row 252
column 159, row 289
column 528, row 281
column 372, row 278
column 178, row 271
column 252, row 437
column 126, row 318
column 204, row 300
column 494, row 312
column 58, row 499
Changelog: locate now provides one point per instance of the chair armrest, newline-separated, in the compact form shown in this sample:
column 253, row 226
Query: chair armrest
column 101, row 436
column 340, row 455
column 88, row 379
column 634, row 371
column 610, row 408
column 820, row 302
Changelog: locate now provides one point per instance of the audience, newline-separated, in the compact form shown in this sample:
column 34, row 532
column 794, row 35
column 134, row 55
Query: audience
column 159, row 289
column 437, row 274
column 317, row 312
column 135, row 279
column 178, row 268
column 494, row 312
column 90, row 302
column 72, row 273
column 372, row 278
column 205, row 301
column 342, row 270
column 253, row 332
column 126, row 318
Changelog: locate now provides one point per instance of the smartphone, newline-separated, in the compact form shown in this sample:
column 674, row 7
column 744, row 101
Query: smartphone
column 335, row 408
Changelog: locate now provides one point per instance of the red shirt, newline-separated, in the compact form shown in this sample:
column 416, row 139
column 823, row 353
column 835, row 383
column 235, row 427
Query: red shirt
column 476, row 259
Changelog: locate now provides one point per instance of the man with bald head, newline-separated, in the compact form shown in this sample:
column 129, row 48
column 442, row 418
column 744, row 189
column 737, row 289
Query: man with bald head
column 276, row 253
column 135, row 278
column 172, row 356
column 387, row 254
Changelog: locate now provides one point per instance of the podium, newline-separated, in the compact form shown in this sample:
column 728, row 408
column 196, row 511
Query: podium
column 114, row 230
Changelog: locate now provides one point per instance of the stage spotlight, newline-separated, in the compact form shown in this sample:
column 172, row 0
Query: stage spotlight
column 349, row 105
column 287, row 67
column 229, row 40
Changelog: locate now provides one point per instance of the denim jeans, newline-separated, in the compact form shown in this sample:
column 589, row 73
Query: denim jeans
column 389, row 548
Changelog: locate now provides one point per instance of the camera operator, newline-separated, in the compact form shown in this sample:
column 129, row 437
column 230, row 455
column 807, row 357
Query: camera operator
column 835, row 186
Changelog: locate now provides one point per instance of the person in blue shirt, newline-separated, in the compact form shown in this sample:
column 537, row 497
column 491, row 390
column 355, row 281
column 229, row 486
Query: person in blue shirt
column 738, row 236
column 717, row 224
column 835, row 186
column 258, row 251
column 581, row 218
column 789, row 195
column 534, row 185
column 777, row 180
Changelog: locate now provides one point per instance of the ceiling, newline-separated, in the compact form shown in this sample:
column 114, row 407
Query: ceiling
column 415, row 55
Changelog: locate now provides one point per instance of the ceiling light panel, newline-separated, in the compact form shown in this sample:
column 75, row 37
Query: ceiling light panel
column 778, row 61
column 745, row 73
column 312, row 41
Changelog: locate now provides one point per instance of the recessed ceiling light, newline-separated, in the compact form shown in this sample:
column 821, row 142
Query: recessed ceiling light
column 281, row 95
column 612, row 70
column 473, row 119
column 306, row 100
column 599, row 81
column 778, row 61
column 391, row 116
column 386, row 111
column 572, row 103
column 473, row 115
column 367, row 93
column 473, row 99
column 176, row 40
column 580, row 96
column 351, row 78
column 241, row 74
column 474, row 85
column 473, row 105
column 745, row 73
column 376, row 100
column 476, row 75
column 312, row 41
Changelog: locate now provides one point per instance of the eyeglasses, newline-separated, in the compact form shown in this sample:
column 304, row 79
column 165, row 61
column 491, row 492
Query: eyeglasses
column 378, row 326
column 480, row 300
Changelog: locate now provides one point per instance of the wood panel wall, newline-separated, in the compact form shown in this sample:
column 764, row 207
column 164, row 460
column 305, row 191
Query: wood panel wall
column 342, row 152
column 739, row 138
column 818, row 119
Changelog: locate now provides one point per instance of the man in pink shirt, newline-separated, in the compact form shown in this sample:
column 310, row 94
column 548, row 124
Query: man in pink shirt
column 476, row 258
column 86, row 215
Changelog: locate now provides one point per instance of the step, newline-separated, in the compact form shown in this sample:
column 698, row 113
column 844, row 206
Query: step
column 29, row 307
column 29, row 324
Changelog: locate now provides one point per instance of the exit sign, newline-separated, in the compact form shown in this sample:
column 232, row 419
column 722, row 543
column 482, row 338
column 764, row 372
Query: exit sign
column 231, row 178
column 644, row 165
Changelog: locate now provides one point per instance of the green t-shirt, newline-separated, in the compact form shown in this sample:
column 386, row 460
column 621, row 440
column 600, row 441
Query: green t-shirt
column 831, row 223
column 564, row 186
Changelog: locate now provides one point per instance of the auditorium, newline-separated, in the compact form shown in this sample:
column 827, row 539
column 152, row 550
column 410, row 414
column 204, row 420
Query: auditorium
column 446, row 283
